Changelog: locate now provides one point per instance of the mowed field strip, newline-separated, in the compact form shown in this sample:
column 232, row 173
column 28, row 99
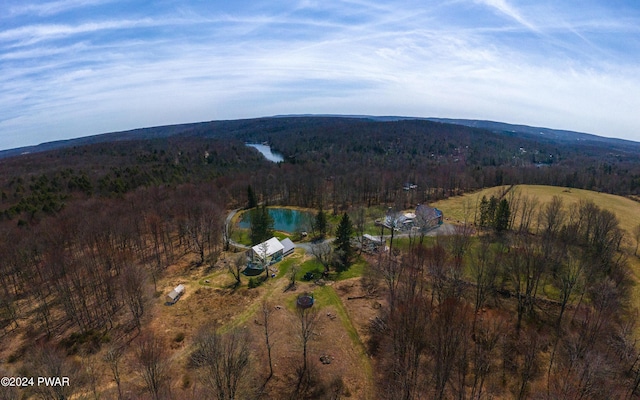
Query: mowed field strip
column 627, row 210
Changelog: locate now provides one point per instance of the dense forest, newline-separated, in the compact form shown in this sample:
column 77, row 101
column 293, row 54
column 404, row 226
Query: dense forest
column 523, row 300
column 339, row 160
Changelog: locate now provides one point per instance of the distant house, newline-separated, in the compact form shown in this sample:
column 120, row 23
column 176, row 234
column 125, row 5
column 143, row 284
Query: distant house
column 406, row 221
column 175, row 294
column 268, row 252
column 428, row 217
column 400, row 222
column 288, row 246
column 372, row 243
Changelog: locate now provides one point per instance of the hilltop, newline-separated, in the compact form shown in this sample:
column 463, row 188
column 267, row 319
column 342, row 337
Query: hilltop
column 224, row 128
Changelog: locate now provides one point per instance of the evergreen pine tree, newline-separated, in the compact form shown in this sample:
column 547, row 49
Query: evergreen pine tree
column 320, row 225
column 484, row 212
column 491, row 211
column 252, row 202
column 261, row 225
column 343, row 241
column 267, row 222
column 256, row 227
column 501, row 220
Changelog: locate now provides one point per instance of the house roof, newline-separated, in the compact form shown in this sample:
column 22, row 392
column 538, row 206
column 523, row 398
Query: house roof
column 428, row 213
column 273, row 246
column 177, row 291
column 372, row 238
column 288, row 245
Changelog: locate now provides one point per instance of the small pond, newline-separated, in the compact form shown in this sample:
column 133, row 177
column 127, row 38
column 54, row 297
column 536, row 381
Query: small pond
column 266, row 152
column 284, row 219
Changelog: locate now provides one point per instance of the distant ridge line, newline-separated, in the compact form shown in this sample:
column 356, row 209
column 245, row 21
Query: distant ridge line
column 165, row 131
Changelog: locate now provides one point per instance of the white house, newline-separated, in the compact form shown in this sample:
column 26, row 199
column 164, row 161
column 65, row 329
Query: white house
column 288, row 246
column 271, row 250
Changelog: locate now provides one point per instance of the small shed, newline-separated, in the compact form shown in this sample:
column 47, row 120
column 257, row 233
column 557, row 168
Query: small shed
column 288, row 246
column 175, row 294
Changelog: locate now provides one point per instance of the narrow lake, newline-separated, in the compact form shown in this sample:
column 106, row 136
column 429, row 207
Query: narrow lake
column 284, row 219
column 266, row 152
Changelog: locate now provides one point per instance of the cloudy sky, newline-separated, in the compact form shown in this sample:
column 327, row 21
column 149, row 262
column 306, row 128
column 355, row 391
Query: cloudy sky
column 72, row 68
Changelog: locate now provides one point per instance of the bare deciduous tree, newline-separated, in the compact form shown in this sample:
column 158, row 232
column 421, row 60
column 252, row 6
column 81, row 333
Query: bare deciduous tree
column 134, row 289
column 487, row 333
column 264, row 250
column 153, row 364
column 307, row 319
column 529, row 346
column 409, row 326
column 323, row 252
column 449, row 330
column 484, row 271
column 293, row 271
column 46, row 361
column 223, row 361
column 552, row 217
column 236, row 266
column 439, row 271
column 266, row 328
column 636, row 236
column 528, row 209
column 359, row 224
column 393, row 222
column 113, row 357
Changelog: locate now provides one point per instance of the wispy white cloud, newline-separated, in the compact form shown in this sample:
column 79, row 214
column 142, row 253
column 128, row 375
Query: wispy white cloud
column 31, row 34
column 507, row 9
column 51, row 7
column 453, row 59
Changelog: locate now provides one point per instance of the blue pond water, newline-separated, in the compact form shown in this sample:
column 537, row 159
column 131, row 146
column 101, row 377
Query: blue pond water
column 266, row 152
column 284, row 219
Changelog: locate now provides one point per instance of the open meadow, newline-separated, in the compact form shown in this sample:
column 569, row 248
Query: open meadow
column 627, row 210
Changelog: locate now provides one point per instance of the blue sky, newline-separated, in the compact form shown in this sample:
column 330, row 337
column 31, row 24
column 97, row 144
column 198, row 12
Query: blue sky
column 71, row 68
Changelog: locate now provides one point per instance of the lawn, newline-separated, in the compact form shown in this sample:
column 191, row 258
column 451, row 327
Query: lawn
column 628, row 211
column 241, row 236
column 327, row 296
column 311, row 265
column 355, row 270
column 294, row 259
column 314, row 266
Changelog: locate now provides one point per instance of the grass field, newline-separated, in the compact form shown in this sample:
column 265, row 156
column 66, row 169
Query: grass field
column 627, row 210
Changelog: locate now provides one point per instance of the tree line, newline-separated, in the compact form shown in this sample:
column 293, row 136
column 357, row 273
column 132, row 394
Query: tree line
column 544, row 313
column 341, row 162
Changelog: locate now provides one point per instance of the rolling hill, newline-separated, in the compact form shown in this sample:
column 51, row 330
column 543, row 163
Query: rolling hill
column 304, row 121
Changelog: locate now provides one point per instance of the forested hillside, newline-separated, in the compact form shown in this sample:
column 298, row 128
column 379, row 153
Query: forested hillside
column 361, row 161
column 520, row 299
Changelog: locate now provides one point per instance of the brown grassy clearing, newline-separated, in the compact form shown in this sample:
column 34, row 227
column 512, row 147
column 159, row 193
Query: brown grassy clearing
column 216, row 302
